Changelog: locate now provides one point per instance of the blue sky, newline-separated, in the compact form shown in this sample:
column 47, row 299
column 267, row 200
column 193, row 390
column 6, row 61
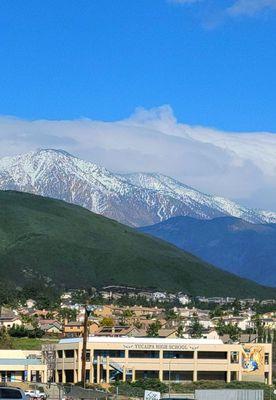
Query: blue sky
column 201, row 72
column 214, row 64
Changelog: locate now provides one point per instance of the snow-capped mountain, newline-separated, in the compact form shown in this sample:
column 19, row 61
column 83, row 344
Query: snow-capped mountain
column 137, row 199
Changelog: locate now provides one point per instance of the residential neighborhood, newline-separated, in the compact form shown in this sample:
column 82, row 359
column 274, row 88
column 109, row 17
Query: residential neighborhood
column 161, row 315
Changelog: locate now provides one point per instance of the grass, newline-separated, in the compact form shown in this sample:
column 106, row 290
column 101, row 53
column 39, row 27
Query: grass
column 30, row 344
column 52, row 241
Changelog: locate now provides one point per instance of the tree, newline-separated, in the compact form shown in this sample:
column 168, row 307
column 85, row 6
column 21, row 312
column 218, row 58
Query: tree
column 259, row 329
column 196, row 329
column 5, row 339
column 221, row 327
column 217, row 312
column 106, row 321
column 138, row 324
column 68, row 313
column 233, row 332
column 128, row 313
column 236, row 307
column 274, row 337
column 170, row 314
column 125, row 316
column 153, row 329
column 18, row 331
column 230, row 329
column 180, row 331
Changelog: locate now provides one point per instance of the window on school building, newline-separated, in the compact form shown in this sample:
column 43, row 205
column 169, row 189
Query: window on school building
column 234, row 376
column 69, row 353
column 143, row 354
column 178, row 354
column 109, row 353
column 88, row 355
column 178, row 376
column 211, row 376
column 213, row 355
column 234, row 357
column 147, row 375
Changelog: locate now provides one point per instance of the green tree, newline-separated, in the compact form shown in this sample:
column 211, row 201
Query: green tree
column 196, row 329
column 18, row 331
column 274, row 337
column 236, row 307
column 217, row 312
column 228, row 329
column 106, row 321
column 170, row 314
column 259, row 329
column 5, row 339
column 233, row 331
column 68, row 313
column 180, row 331
column 153, row 329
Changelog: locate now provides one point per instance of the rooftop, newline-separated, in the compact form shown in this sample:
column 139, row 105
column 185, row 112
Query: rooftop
column 19, row 361
column 134, row 340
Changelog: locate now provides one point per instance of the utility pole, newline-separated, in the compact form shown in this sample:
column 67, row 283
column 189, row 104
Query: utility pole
column 87, row 312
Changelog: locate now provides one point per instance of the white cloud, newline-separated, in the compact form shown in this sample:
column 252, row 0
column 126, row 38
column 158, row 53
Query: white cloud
column 238, row 8
column 250, row 7
column 236, row 165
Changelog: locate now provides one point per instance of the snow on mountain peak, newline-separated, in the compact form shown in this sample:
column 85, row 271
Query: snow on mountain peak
column 135, row 199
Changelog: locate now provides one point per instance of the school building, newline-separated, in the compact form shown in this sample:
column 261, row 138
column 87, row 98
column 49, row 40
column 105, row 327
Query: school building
column 179, row 360
column 22, row 366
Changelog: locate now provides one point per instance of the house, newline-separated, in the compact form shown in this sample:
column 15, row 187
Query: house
column 210, row 334
column 243, row 338
column 50, row 326
column 40, row 313
column 72, row 329
column 184, row 299
column 30, row 303
column 8, row 318
column 268, row 323
column 206, row 322
column 168, row 333
column 117, row 331
column 75, row 328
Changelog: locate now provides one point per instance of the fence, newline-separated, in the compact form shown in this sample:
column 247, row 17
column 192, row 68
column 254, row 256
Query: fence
column 229, row 394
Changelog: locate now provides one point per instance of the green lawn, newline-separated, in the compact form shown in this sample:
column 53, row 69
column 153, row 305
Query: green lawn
column 30, row 344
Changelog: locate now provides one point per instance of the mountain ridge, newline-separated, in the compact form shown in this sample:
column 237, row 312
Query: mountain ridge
column 52, row 242
column 135, row 199
column 235, row 245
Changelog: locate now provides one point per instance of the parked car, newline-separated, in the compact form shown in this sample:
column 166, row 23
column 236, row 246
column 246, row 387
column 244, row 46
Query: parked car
column 35, row 395
column 11, row 393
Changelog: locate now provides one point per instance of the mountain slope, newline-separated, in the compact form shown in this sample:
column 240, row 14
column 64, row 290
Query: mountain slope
column 248, row 250
column 63, row 244
column 133, row 199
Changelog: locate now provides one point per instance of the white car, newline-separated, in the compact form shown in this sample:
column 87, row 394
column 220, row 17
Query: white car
column 35, row 394
column 11, row 393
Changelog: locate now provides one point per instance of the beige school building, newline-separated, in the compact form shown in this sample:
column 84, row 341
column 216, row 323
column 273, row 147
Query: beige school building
column 176, row 360
column 22, row 366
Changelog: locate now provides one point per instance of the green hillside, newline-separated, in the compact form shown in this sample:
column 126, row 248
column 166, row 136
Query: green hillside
column 62, row 244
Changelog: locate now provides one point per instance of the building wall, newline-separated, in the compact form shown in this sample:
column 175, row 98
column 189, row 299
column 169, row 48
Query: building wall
column 166, row 359
column 19, row 365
